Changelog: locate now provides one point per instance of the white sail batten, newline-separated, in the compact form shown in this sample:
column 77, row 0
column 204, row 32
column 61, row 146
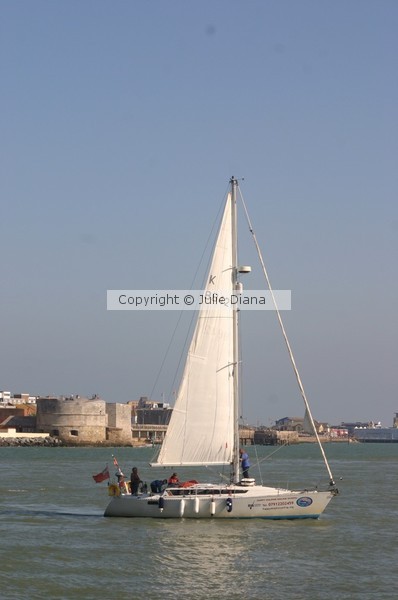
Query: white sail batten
column 201, row 428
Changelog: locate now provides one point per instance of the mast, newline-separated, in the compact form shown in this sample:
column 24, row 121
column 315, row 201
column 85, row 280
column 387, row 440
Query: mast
column 235, row 286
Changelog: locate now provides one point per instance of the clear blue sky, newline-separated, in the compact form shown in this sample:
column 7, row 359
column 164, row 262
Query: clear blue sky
column 121, row 123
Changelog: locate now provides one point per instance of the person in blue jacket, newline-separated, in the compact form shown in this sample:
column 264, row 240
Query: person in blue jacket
column 245, row 463
column 157, row 485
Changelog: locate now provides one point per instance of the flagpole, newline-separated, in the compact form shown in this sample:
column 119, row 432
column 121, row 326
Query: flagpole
column 119, row 473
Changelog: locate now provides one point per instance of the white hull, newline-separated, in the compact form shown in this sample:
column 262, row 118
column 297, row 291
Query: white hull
column 210, row 501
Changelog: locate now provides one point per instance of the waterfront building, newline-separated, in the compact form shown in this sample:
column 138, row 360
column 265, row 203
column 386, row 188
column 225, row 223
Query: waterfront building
column 80, row 420
column 298, row 424
column 5, row 397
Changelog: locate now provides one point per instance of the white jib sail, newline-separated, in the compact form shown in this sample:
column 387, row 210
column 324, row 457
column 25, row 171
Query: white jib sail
column 201, row 426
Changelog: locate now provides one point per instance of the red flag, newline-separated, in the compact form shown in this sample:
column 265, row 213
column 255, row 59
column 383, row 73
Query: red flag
column 102, row 476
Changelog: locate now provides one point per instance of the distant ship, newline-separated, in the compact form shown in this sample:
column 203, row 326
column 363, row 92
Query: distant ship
column 377, row 435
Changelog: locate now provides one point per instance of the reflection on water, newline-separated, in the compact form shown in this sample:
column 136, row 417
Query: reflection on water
column 56, row 544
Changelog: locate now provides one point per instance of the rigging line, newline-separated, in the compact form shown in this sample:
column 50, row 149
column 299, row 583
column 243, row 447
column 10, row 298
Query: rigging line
column 181, row 315
column 269, row 455
column 211, row 234
column 258, row 464
column 240, row 365
column 259, row 461
column 203, row 285
column 214, row 472
column 166, row 355
column 296, row 372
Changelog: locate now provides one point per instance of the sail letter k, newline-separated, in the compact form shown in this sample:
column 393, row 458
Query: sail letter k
column 212, row 278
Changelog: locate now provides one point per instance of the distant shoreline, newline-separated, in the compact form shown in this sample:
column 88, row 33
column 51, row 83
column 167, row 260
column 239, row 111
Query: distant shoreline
column 52, row 442
column 312, row 439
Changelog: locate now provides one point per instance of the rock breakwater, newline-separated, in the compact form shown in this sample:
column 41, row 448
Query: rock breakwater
column 30, row 441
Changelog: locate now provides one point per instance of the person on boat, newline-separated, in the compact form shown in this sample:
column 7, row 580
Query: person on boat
column 121, row 482
column 245, row 463
column 134, row 481
column 157, row 485
column 173, row 480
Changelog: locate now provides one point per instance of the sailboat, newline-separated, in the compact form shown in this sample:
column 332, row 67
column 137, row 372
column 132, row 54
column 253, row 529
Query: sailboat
column 204, row 426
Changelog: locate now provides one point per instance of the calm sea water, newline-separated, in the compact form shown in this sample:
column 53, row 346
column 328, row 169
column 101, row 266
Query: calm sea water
column 56, row 544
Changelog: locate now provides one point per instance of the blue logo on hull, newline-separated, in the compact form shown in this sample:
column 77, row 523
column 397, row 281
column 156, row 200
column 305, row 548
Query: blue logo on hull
column 304, row 501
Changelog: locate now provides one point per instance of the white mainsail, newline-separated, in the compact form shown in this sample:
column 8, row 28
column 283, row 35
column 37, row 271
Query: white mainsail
column 201, row 428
